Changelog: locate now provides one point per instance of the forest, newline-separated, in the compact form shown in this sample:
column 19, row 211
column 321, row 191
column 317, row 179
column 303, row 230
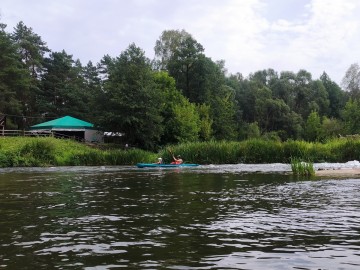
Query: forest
column 180, row 96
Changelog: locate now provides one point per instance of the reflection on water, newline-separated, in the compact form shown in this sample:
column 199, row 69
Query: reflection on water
column 211, row 217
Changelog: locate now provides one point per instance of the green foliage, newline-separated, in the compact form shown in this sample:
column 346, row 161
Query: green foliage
column 346, row 149
column 38, row 152
column 335, row 94
column 252, row 131
column 351, row 116
column 223, row 113
column 205, row 125
column 186, row 123
column 313, row 127
column 5, row 159
column 63, row 87
column 167, row 44
column 331, row 128
column 132, row 101
column 296, row 149
column 215, row 152
column 129, row 157
column 180, row 117
column 302, row 168
column 262, row 151
column 13, row 76
column 20, row 151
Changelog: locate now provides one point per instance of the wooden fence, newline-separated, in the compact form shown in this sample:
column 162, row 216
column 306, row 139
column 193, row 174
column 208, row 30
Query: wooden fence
column 42, row 133
column 26, row 133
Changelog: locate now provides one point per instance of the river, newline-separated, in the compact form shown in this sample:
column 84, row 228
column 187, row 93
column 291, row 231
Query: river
column 210, row 217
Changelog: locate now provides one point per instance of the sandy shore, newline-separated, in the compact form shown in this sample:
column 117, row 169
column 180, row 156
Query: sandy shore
column 338, row 172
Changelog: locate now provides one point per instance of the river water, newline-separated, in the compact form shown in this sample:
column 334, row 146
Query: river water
column 210, row 217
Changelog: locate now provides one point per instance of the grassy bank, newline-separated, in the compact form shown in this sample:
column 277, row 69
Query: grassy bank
column 22, row 151
column 26, row 152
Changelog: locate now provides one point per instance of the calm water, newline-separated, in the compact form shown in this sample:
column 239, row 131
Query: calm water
column 212, row 217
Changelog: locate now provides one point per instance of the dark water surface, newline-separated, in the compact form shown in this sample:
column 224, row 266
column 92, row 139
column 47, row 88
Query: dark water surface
column 211, row 217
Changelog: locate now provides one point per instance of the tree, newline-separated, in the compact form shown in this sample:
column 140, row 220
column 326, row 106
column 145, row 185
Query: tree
column 319, row 98
column 185, row 123
column 167, row 44
column 178, row 53
column 92, row 86
column 351, row 116
column 13, row 78
column 199, row 79
column 351, row 81
column 313, row 127
column 335, row 94
column 264, row 77
column 302, row 93
column 252, row 131
column 132, row 101
column 206, row 131
column 331, row 128
column 63, row 87
column 223, row 113
column 182, row 63
column 180, row 118
column 284, row 88
column 32, row 50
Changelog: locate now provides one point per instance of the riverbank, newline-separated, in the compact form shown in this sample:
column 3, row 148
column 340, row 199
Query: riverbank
column 48, row 151
column 338, row 172
column 43, row 152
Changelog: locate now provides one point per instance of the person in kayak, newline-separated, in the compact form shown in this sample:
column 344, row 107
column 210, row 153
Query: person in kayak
column 160, row 161
column 177, row 160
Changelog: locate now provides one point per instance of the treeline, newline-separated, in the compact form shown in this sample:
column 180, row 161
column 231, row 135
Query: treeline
column 180, row 96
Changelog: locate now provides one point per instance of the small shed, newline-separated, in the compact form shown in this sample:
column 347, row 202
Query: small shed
column 70, row 127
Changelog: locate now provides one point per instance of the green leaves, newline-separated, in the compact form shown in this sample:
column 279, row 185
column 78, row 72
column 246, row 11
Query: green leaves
column 132, row 100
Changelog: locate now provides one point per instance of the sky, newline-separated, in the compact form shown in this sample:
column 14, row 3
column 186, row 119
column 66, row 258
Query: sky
column 250, row 35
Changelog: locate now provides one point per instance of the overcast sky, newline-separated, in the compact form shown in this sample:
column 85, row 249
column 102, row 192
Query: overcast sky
column 250, row 35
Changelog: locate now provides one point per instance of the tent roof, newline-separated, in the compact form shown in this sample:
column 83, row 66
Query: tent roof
column 66, row 122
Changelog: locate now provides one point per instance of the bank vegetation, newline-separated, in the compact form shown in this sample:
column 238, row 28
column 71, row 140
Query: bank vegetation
column 29, row 152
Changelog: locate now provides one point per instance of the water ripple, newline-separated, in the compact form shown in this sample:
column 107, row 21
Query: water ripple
column 213, row 217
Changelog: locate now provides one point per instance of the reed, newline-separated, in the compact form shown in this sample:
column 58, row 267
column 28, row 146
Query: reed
column 129, row 157
column 346, row 149
column 20, row 151
column 302, row 168
column 215, row 152
column 261, row 151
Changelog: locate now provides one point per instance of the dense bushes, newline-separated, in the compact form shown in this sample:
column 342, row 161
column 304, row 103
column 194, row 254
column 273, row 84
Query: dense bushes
column 19, row 152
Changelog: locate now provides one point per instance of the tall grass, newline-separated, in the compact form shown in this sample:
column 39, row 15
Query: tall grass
column 22, row 151
column 25, row 152
column 302, row 168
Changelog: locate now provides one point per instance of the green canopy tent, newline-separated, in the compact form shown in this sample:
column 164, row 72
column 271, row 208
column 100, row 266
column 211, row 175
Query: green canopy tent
column 68, row 126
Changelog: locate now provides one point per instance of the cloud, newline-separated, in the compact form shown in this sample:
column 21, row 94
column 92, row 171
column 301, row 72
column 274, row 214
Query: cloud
column 250, row 35
column 323, row 38
column 322, row 42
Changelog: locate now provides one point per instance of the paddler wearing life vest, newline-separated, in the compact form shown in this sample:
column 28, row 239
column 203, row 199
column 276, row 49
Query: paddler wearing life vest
column 177, row 160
